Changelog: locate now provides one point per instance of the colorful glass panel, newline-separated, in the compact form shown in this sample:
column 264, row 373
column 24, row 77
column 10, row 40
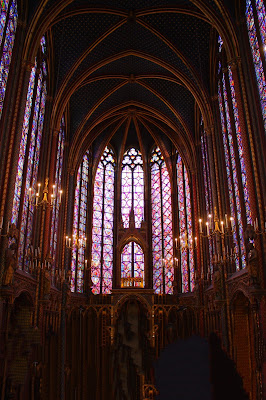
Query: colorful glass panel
column 228, row 171
column 8, row 25
column 207, row 191
column 162, row 235
column 240, row 149
column 57, row 189
column 79, row 226
column 23, row 146
column 185, row 226
column 132, row 193
column 255, row 48
column 28, row 161
column 234, row 174
column 102, row 225
column 132, row 262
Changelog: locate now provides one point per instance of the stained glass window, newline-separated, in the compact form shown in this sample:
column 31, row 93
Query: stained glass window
column 207, row 190
column 132, row 187
column 240, row 148
column 132, row 262
column 257, row 26
column 231, row 171
column 29, row 154
column 162, row 234
column 79, row 226
column 8, row 25
column 102, row 225
column 57, row 189
column 185, row 226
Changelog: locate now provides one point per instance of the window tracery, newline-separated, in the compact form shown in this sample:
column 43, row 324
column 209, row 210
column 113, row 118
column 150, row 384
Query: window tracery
column 8, row 25
column 57, row 189
column 162, row 234
column 234, row 156
column 132, row 187
column 185, row 226
column 79, row 226
column 103, row 224
column 256, row 26
column 132, row 262
column 29, row 154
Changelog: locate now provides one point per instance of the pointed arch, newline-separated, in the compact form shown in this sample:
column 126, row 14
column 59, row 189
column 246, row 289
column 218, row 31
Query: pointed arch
column 103, row 224
column 162, row 234
column 132, row 187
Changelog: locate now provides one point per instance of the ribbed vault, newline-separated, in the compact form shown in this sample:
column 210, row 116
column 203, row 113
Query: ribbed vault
column 146, row 62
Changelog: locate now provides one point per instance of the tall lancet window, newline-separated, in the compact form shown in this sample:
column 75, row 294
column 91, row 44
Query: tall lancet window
column 162, row 234
column 185, row 226
column 132, row 187
column 207, row 189
column 57, row 190
column 79, row 226
column 256, row 25
column 132, row 263
column 233, row 154
column 8, row 25
column 103, row 224
column 29, row 153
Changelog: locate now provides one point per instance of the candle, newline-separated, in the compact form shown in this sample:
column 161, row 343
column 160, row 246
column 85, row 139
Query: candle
column 69, row 242
column 196, row 240
column 207, row 225
column 222, row 226
column 200, row 224
column 66, row 240
column 37, row 196
column 39, row 185
column 226, row 221
column 30, row 193
column 86, row 263
column 210, row 218
column 176, row 242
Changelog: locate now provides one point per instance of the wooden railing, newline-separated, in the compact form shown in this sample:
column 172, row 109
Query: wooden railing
column 131, row 282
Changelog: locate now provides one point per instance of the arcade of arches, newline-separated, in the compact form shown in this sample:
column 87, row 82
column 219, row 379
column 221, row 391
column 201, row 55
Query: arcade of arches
column 132, row 198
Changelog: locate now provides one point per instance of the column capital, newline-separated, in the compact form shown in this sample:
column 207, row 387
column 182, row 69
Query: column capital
column 71, row 171
column 234, row 63
column 28, row 65
column 55, row 132
column 209, row 130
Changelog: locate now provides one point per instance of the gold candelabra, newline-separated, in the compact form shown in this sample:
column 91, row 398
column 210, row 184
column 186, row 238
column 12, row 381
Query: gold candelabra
column 186, row 242
column 34, row 195
column 75, row 242
column 214, row 226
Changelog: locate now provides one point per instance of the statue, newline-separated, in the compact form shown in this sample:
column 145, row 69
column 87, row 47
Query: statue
column 11, row 261
column 252, row 255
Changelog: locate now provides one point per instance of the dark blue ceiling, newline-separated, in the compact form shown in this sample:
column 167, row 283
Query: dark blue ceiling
column 187, row 53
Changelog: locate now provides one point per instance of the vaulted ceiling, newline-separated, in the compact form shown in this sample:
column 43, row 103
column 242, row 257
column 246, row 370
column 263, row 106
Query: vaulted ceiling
column 136, row 66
